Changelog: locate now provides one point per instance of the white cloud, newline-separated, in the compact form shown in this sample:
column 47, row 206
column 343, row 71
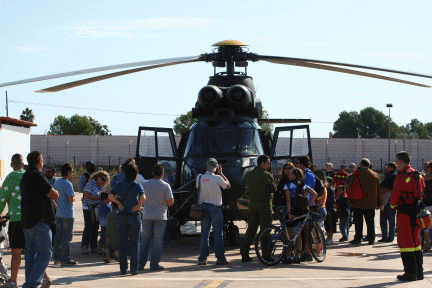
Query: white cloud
column 398, row 55
column 31, row 49
column 130, row 27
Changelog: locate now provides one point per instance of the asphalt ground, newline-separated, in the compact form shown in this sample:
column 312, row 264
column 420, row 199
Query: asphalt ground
column 346, row 265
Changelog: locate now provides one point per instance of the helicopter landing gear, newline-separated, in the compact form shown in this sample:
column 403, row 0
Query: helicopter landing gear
column 232, row 235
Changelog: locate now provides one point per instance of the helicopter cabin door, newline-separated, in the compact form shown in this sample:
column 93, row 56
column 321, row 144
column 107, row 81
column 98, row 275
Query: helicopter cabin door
column 288, row 143
column 157, row 145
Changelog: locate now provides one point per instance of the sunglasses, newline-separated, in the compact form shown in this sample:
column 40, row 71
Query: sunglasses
column 288, row 168
column 103, row 180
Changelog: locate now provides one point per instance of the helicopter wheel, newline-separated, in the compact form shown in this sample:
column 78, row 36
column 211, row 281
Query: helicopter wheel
column 233, row 235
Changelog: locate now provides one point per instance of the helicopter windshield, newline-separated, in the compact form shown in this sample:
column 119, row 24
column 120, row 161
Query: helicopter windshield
column 224, row 140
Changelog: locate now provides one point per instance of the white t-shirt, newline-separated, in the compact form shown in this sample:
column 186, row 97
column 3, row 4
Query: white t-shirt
column 211, row 185
column 140, row 179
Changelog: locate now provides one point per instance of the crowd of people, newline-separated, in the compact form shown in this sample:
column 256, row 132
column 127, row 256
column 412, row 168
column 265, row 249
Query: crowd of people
column 134, row 211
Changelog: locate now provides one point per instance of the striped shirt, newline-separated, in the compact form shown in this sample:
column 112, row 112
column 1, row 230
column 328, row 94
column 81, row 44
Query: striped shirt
column 95, row 191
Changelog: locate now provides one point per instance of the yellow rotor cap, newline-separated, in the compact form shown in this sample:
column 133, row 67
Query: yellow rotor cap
column 230, row 43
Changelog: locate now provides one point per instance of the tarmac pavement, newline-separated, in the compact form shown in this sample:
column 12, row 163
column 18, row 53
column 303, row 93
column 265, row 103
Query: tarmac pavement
column 346, row 265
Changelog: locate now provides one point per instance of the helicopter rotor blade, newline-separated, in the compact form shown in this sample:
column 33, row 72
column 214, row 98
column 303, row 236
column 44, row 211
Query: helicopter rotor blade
column 107, row 76
column 105, row 68
column 342, row 70
column 284, row 121
column 291, row 59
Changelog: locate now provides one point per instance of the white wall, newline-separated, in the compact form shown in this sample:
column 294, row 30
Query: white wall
column 13, row 140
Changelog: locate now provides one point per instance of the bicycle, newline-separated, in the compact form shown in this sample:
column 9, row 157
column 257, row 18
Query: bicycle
column 3, row 274
column 273, row 243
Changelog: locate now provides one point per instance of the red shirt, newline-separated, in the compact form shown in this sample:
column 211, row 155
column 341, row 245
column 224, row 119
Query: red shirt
column 340, row 178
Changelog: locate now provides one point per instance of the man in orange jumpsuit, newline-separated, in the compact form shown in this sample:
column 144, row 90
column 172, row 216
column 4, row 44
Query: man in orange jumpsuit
column 407, row 190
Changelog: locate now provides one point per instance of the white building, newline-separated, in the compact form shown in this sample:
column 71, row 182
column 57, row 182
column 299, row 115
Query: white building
column 14, row 138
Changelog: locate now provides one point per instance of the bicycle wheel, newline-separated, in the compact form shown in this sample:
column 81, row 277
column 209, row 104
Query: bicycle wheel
column 270, row 245
column 317, row 243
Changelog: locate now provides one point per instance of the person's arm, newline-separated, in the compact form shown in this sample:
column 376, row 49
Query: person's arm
column 219, row 172
column 115, row 200
column 288, row 203
column 141, row 201
column 170, row 202
column 313, row 193
column 53, row 194
column 5, row 194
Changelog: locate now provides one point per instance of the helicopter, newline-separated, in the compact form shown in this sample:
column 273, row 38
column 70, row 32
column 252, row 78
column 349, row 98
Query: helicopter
column 228, row 127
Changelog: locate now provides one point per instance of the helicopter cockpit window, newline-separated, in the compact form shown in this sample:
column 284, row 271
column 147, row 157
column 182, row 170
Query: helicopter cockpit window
column 203, row 142
column 147, row 146
column 250, row 143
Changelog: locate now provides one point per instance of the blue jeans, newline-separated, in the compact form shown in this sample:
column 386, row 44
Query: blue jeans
column 212, row 214
column 128, row 225
column 90, row 232
column 62, row 239
column 388, row 215
column 38, row 251
column 344, row 227
column 155, row 228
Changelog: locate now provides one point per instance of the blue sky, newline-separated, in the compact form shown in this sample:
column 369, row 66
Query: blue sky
column 46, row 37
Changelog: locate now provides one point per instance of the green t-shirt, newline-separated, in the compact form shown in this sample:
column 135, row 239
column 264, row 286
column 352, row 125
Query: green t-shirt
column 10, row 193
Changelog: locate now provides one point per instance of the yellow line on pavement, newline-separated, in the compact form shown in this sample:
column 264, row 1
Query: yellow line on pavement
column 214, row 284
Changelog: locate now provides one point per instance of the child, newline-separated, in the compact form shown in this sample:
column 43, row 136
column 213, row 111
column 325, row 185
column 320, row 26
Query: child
column 112, row 235
column 103, row 209
column 343, row 212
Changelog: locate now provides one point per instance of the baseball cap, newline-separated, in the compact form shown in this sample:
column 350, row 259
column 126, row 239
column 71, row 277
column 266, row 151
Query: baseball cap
column 212, row 163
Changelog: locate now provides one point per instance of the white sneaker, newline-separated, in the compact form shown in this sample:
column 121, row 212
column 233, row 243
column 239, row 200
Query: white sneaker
column 329, row 242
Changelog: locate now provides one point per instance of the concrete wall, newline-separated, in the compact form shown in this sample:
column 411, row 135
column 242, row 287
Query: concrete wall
column 112, row 150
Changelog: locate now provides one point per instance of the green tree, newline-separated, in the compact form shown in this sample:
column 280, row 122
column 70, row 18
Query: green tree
column 346, row 126
column 419, row 130
column 77, row 125
column 183, row 123
column 268, row 127
column 369, row 123
column 27, row 115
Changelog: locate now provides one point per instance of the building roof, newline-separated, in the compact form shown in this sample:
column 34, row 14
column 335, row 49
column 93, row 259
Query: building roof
column 16, row 122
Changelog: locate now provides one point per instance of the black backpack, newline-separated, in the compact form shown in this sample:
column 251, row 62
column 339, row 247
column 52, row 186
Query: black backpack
column 319, row 186
column 300, row 200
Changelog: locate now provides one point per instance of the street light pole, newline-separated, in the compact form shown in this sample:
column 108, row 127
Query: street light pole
column 389, row 105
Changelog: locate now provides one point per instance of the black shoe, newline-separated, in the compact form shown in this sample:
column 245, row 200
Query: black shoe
column 355, row 241
column 365, row 239
column 382, row 240
column 287, row 260
column 371, row 242
column 307, row 257
column 246, row 259
column 390, row 240
column 222, row 262
column 134, row 273
column 343, row 239
column 407, row 277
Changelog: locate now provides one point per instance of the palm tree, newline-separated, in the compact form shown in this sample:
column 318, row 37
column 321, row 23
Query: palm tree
column 27, row 115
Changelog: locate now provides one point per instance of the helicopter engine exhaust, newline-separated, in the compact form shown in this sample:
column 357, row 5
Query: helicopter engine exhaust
column 239, row 98
column 210, row 96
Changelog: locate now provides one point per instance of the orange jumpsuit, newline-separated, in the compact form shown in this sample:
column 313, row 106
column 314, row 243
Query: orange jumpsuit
column 404, row 191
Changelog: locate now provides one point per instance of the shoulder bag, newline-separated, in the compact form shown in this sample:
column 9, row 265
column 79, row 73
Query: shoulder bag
column 196, row 210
